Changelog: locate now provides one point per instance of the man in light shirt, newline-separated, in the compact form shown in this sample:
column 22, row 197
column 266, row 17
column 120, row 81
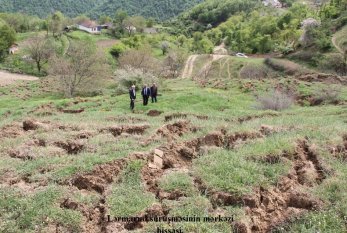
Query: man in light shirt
column 132, row 94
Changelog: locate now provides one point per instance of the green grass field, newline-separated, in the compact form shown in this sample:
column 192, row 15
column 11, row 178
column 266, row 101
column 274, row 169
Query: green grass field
column 38, row 186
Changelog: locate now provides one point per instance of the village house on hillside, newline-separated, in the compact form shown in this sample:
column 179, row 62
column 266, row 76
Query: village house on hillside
column 150, row 30
column 273, row 3
column 13, row 49
column 89, row 26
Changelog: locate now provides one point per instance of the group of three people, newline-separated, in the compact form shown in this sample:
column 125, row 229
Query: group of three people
column 146, row 93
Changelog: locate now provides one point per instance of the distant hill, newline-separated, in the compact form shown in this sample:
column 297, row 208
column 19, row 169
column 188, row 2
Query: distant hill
column 159, row 9
column 42, row 8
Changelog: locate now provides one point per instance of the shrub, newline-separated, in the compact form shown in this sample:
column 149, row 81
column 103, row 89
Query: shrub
column 285, row 66
column 276, row 100
column 327, row 95
column 254, row 71
column 333, row 62
column 117, row 50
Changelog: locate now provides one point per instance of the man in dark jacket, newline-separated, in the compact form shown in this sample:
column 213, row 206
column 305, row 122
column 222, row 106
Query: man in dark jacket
column 146, row 93
column 154, row 92
column 132, row 94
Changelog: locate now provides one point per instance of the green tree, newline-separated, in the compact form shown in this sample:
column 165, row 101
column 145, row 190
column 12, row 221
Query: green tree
column 117, row 50
column 7, row 38
column 55, row 23
column 120, row 16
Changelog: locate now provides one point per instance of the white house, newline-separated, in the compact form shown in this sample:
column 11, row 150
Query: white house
column 13, row 49
column 89, row 26
column 273, row 3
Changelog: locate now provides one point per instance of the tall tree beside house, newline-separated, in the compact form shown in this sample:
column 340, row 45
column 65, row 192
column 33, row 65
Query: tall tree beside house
column 7, row 38
column 55, row 23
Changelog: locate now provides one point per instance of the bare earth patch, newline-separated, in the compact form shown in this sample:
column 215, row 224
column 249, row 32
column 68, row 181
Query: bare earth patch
column 9, row 78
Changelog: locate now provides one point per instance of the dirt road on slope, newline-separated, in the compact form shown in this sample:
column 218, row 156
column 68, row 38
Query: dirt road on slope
column 9, row 78
column 188, row 69
column 335, row 38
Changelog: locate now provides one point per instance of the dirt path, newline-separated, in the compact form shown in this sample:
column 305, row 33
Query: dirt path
column 188, row 69
column 334, row 40
column 9, row 78
column 335, row 44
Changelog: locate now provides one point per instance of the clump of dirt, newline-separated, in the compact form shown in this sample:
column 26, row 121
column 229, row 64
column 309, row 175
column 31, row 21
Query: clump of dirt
column 131, row 120
column 69, row 204
column 71, row 146
column 176, row 129
column 176, row 116
column 11, row 131
column 154, row 113
column 340, row 151
column 201, row 117
column 44, row 110
column 34, row 125
column 23, row 152
column 135, row 129
column 94, row 218
column 102, row 175
column 238, row 138
column 84, row 135
column 325, row 78
column 252, row 117
column 268, row 130
column 37, row 142
column 215, row 139
column 72, row 111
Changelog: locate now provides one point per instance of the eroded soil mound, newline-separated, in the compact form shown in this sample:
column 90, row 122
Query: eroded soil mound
column 176, row 129
column 103, row 175
column 271, row 207
column 176, row 116
column 11, row 131
column 71, row 146
column 320, row 77
column 118, row 130
column 340, row 151
column 154, row 113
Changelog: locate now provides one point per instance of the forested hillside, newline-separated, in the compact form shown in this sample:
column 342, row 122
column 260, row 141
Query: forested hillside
column 159, row 9
column 44, row 7
column 162, row 9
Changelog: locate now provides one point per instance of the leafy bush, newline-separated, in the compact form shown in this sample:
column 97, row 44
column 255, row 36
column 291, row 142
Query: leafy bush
column 117, row 50
column 275, row 100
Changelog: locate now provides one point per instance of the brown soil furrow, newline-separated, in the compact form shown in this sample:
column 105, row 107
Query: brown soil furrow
column 268, row 208
column 100, row 180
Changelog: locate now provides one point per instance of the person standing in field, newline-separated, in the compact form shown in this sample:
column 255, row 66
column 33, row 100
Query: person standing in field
column 132, row 94
column 146, row 93
column 154, row 92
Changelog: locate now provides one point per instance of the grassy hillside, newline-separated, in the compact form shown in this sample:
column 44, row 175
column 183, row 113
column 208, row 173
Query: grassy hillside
column 223, row 155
